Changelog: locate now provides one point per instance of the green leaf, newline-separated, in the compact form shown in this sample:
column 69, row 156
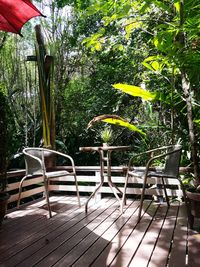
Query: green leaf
column 120, row 47
column 148, row 66
column 123, row 123
column 132, row 26
column 151, row 58
column 156, row 41
column 161, row 5
column 177, row 6
column 135, row 91
column 197, row 121
column 155, row 65
column 98, row 46
column 114, row 119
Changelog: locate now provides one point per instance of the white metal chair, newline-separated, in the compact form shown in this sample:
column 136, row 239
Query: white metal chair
column 171, row 154
column 35, row 166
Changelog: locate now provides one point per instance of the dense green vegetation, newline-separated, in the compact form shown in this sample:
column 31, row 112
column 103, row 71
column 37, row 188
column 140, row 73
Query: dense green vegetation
column 95, row 44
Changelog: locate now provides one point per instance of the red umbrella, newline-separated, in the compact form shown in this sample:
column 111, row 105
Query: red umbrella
column 15, row 13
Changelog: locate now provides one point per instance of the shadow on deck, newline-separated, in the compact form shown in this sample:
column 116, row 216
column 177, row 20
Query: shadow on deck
column 101, row 238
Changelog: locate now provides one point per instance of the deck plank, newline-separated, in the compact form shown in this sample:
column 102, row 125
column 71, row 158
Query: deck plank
column 109, row 253
column 193, row 249
column 39, row 234
column 107, row 230
column 179, row 246
column 125, row 255
column 94, row 231
column 103, row 237
column 50, row 234
column 163, row 245
column 143, row 254
column 102, row 245
column 85, row 228
column 36, row 220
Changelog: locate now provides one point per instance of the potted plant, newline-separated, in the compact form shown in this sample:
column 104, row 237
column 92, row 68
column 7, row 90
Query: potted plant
column 45, row 70
column 106, row 136
column 191, row 191
column 3, row 151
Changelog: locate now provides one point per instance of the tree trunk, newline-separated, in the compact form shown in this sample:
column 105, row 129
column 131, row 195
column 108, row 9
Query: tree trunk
column 186, row 86
column 187, row 93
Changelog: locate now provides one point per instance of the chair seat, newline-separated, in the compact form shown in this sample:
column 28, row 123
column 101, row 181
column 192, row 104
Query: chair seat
column 140, row 174
column 57, row 174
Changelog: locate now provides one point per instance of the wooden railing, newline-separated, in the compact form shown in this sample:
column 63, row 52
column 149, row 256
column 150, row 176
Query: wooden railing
column 88, row 177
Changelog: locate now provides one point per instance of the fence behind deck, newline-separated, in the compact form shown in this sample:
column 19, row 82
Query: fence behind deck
column 88, row 177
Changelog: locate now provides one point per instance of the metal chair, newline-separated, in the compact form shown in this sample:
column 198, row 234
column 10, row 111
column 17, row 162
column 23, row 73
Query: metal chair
column 171, row 154
column 35, row 166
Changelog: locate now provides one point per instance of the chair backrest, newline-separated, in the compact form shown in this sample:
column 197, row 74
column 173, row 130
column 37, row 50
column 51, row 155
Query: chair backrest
column 34, row 159
column 173, row 161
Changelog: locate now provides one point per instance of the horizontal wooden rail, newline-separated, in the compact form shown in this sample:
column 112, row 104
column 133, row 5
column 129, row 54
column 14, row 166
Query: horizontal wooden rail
column 88, row 177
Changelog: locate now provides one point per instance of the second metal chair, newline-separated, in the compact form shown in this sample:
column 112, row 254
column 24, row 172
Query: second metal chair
column 171, row 154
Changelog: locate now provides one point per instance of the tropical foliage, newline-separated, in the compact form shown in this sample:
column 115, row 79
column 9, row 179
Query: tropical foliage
column 3, row 137
column 137, row 60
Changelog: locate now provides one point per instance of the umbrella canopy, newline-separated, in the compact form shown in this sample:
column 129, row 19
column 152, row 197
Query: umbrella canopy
column 15, row 13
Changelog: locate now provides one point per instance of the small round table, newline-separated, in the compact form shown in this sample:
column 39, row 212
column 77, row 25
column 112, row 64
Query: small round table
column 104, row 158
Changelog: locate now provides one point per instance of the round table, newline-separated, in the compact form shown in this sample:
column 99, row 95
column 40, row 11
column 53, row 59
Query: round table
column 105, row 156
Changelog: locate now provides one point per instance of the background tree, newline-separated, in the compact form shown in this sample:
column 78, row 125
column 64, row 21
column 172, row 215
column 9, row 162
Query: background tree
column 171, row 32
column 96, row 45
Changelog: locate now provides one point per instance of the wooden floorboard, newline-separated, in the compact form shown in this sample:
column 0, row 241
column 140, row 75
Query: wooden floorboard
column 163, row 245
column 146, row 248
column 103, row 237
column 179, row 246
column 99, row 251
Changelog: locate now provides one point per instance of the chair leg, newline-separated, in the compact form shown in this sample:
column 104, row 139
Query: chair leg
column 165, row 191
column 123, row 201
column 77, row 191
column 47, row 196
column 20, row 191
column 142, row 198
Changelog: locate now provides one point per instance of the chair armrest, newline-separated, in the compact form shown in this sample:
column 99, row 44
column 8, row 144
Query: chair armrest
column 152, row 158
column 152, row 151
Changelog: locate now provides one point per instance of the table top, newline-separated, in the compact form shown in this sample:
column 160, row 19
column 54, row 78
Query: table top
column 104, row 148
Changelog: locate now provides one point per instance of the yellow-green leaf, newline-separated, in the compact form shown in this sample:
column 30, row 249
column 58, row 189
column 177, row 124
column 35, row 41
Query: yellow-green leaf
column 135, row 91
column 121, row 47
column 177, row 6
column 98, row 46
column 114, row 119
column 156, row 41
column 130, row 27
column 147, row 65
column 155, row 65
column 123, row 123
column 197, row 121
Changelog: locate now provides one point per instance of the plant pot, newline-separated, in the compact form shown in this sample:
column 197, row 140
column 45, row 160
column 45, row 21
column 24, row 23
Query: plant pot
column 49, row 160
column 194, row 205
column 4, row 196
column 195, row 202
column 105, row 144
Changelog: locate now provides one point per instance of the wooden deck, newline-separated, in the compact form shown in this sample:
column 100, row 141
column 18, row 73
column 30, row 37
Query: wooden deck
column 102, row 238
